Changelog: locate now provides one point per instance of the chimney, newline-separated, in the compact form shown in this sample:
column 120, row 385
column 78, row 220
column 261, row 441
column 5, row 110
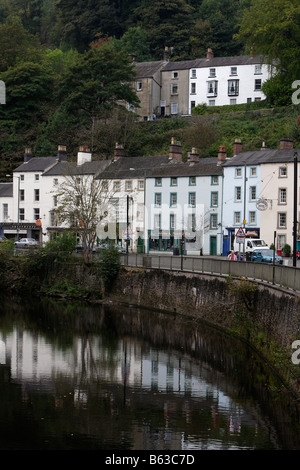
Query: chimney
column 175, row 153
column 119, row 151
column 193, row 156
column 209, row 53
column 27, row 155
column 166, row 54
column 62, row 153
column 84, row 155
column 286, row 144
column 222, row 155
column 237, row 146
column 263, row 146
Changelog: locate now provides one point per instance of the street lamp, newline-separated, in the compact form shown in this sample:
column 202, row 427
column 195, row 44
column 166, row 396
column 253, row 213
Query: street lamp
column 295, row 210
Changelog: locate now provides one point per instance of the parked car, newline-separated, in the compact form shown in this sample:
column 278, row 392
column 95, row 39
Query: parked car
column 25, row 242
column 106, row 246
column 79, row 247
column 265, row 256
column 2, row 238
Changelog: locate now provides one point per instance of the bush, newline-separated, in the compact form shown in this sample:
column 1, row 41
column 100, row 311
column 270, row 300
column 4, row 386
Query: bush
column 109, row 266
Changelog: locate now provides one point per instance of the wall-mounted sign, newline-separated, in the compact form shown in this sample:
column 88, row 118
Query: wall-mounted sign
column 262, row 205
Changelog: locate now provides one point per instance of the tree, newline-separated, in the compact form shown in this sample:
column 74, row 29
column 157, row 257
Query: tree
column 135, row 42
column 215, row 28
column 28, row 90
column 99, row 80
column 167, row 24
column 17, row 45
column 83, row 204
column 82, row 20
column 272, row 28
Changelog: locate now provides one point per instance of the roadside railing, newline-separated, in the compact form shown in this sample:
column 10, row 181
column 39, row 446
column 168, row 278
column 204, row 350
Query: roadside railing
column 279, row 275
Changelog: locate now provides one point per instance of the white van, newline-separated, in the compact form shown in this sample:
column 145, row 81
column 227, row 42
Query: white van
column 250, row 245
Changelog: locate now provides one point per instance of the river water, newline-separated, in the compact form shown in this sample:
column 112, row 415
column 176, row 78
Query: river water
column 94, row 377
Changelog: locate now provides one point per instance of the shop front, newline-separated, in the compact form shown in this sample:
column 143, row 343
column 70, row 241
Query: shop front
column 13, row 230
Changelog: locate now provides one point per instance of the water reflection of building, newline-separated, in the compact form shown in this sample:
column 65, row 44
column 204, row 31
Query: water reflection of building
column 175, row 385
column 32, row 358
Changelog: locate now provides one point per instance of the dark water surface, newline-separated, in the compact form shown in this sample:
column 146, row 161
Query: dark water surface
column 76, row 376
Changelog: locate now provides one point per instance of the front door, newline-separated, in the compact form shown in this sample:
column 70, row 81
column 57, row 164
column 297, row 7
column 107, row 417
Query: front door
column 213, row 245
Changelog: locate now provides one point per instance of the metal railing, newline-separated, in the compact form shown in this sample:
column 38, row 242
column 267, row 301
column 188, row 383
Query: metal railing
column 279, row 275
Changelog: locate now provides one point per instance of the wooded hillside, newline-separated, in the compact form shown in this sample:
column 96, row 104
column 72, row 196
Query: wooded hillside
column 66, row 63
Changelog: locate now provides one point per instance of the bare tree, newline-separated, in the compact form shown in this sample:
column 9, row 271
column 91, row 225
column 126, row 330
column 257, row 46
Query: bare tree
column 82, row 205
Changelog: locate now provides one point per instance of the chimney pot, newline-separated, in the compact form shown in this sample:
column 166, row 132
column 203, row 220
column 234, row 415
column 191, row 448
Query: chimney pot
column 27, row 155
column 237, row 146
column 118, row 152
column 175, row 153
column 194, row 156
column 222, row 155
column 62, row 152
column 286, row 144
column 209, row 53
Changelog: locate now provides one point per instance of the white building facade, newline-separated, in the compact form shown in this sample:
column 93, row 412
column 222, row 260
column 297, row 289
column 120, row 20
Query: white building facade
column 219, row 81
column 183, row 206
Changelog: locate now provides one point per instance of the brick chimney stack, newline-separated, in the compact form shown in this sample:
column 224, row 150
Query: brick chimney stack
column 237, row 146
column 27, row 155
column 175, row 153
column 118, row 152
column 193, row 156
column 222, row 155
column 209, row 53
column 286, row 144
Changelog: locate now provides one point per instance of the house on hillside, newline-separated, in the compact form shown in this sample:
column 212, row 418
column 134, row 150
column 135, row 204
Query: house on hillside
column 219, row 81
column 148, row 88
column 175, row 88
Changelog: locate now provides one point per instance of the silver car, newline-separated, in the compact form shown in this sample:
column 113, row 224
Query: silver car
column 25, row 242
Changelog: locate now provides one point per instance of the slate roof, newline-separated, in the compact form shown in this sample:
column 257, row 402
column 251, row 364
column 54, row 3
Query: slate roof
column 6, row 189
column 262, row 156
column 148, row 69
column 156, row 166
column 214, row 62
column 225, row 61
column 65, row 168
column 205, row 167
column 132, row 167
column 36, row 164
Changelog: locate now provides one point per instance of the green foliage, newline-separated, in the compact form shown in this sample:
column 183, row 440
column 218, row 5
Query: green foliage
column 97, row 81
column 203, row 108
column 17, row 45
column 109, row 266
column 60, row 247
column 286, row 249
column 272, row 28
column 278, row 90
